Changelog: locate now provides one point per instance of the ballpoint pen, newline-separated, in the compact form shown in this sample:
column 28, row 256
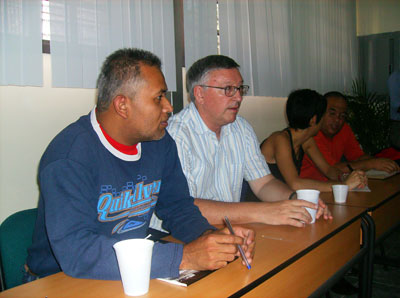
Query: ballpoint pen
column 228, row 224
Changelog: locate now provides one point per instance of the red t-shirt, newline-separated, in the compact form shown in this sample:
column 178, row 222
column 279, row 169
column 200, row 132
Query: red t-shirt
column 344, row 143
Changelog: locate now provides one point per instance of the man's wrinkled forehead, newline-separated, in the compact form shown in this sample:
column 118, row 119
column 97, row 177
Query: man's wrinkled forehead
column 225, row 75
column 337, row 104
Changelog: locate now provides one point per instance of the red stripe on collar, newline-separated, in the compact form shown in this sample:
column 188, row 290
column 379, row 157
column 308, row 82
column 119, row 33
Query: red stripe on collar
column 129, row 150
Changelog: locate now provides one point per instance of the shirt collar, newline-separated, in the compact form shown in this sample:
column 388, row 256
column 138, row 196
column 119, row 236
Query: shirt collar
column 106, row 143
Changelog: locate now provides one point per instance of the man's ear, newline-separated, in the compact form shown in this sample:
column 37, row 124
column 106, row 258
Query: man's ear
column 313, row 121
column 120, row 104
column 198, row 93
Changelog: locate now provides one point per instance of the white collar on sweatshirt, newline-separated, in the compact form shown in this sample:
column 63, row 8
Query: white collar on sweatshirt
column 109, row 147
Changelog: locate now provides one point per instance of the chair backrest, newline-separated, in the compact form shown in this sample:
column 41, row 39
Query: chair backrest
column 15, row 238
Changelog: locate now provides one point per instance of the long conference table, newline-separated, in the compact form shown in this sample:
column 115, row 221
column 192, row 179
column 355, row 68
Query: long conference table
column 289, row 261
column 382, row 203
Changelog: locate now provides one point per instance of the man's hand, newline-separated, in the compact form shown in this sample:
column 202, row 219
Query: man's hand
column 385, row 164
column 248, row 244
column 323, row 210
column 356, row 179
column 214, row 250
column 287, row 212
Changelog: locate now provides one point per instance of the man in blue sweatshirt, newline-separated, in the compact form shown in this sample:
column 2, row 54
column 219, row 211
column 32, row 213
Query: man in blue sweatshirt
column 102, row 177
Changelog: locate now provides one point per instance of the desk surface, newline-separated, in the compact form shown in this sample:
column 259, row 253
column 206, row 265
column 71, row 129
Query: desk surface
column 381, row 190
column 277, row 248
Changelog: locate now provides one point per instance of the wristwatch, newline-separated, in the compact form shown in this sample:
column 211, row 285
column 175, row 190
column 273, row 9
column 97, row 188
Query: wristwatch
column 291, row 197
column 350, row 168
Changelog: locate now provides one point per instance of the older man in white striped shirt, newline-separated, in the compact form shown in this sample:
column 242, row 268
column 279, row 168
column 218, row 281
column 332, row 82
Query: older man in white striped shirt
column 218, row 149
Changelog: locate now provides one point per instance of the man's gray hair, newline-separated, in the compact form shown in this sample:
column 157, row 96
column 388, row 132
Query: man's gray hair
column 120, row 74
column 198, row 72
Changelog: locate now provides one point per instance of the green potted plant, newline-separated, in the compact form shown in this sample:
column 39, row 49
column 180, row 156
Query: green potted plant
column 368, row 116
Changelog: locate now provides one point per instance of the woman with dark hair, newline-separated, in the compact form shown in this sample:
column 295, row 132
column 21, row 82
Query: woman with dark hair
column 284, row 150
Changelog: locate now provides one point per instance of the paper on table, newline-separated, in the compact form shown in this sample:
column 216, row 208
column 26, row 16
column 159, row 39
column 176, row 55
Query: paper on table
column 186, row 277
column 364, row 189
column 375, row 174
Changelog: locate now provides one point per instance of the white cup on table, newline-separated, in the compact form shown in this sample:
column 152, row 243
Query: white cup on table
column 340, row 193
column 309, row 195
column 134, row 262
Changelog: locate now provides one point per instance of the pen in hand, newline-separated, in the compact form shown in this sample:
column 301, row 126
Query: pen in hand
column 228, row 224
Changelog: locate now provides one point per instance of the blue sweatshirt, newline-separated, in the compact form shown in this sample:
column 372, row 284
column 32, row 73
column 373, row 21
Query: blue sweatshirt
column 92, row 196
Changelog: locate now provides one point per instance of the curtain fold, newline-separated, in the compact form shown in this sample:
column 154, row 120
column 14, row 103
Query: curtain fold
column 287, row 44
column 85, row 32
column 200, row 29
column 235, row 40
column 21, row 43
column 280, row 45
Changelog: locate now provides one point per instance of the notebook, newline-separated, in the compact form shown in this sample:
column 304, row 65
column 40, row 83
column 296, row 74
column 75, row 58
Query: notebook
column 375, row 174
column 187, row 277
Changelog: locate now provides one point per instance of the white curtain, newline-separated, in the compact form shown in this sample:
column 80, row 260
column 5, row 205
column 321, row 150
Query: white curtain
column 200, row 29
column 84, row 32
column 235, row 38
column 21, row 43
column 284, row 45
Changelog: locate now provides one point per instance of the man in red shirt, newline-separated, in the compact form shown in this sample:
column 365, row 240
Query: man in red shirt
column 336, row 140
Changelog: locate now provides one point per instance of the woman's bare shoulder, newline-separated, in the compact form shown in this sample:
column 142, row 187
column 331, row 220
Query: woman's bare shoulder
column 275, row 138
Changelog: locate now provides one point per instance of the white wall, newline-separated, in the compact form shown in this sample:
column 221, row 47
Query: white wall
column 265, row 114
column 375, row 17
column 29, row 118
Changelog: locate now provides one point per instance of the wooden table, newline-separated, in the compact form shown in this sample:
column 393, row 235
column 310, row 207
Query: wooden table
column 309, row 270
column 383, row 203
column 284, row 256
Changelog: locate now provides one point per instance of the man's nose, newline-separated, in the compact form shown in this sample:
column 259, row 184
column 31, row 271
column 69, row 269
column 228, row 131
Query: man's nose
column 336, row 117
column 167, row 107
column 237, row 97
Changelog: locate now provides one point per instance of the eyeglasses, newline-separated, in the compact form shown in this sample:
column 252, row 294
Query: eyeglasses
column 231, row 90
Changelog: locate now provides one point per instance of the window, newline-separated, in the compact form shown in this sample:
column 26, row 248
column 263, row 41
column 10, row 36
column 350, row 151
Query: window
column 45, row 27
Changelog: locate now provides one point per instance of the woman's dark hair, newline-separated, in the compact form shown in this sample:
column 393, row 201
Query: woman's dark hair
column 302, row 105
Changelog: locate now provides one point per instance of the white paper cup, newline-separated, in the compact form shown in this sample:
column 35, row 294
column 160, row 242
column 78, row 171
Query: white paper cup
column 134, row 261
column 340, row 193
column 310, row 195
